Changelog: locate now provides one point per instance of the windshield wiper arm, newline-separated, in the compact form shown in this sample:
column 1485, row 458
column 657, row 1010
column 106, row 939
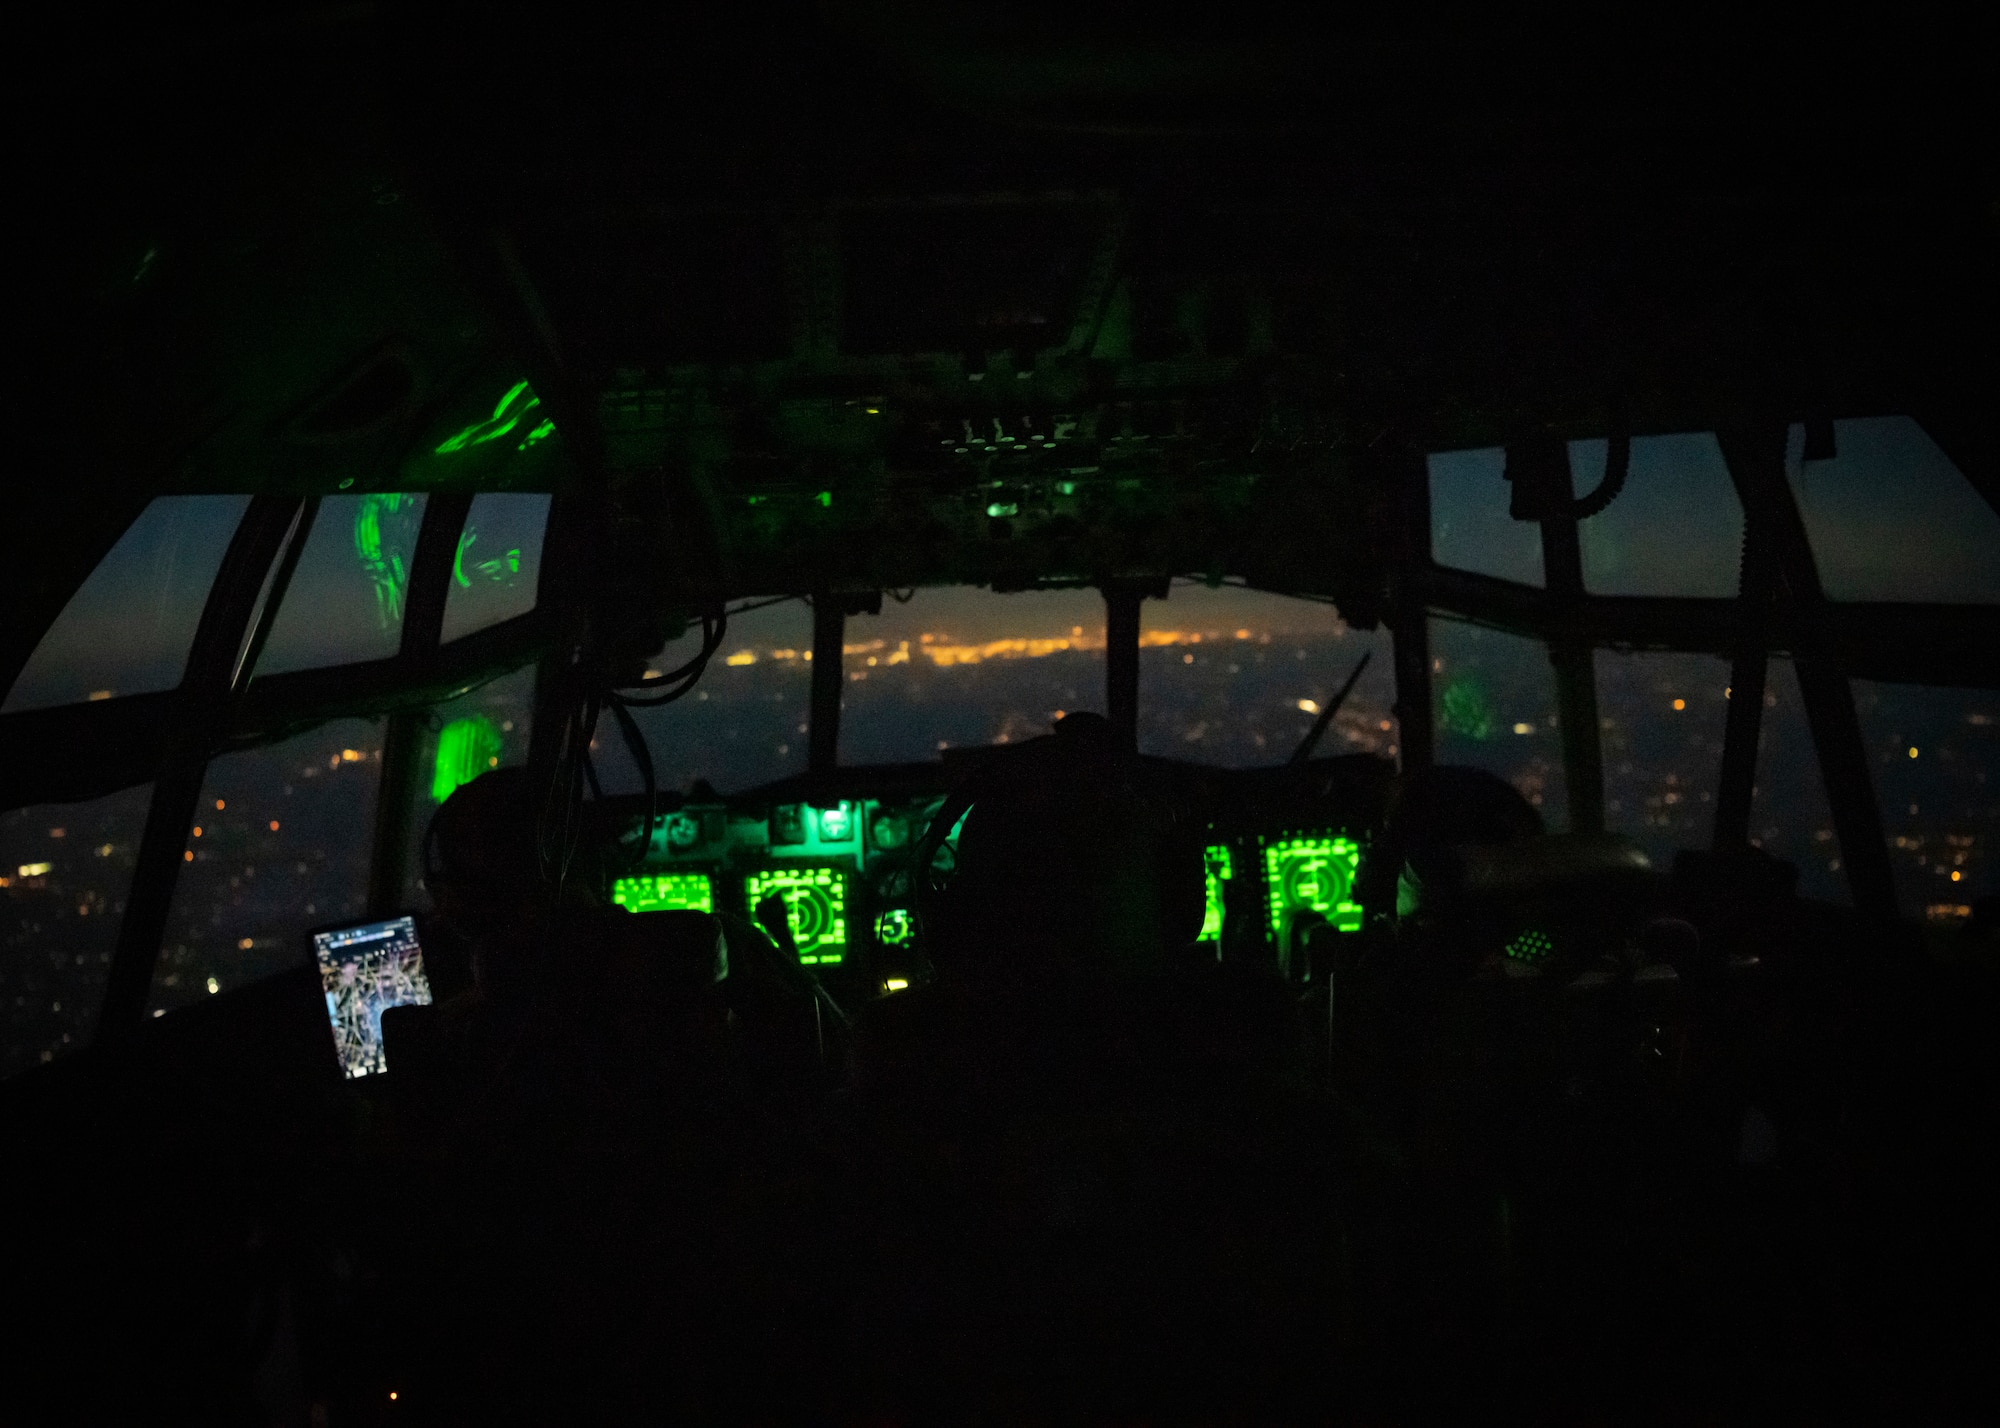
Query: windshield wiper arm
column 1311, row 740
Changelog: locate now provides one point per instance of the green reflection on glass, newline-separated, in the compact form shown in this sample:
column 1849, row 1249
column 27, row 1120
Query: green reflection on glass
column 665, row 892
column 384, row 567
column 1463, row 709
column 536, row 435
column 815, row 906
column 508, row 413
column 1219, row 870
column 466, row 749
column 500, row 570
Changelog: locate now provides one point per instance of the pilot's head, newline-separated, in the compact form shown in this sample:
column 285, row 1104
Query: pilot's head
column 1067, row 866
column 482, row 863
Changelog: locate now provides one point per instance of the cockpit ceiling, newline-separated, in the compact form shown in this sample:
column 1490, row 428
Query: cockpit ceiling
column 1016, row 297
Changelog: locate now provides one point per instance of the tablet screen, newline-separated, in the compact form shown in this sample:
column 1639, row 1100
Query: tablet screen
column 365, row 970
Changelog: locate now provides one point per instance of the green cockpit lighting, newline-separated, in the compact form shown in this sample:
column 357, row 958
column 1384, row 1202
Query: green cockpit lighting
column 837, row 823
column 500, row 570
column 384, row 566
column 1219, row 869
column 1463, row 709
column 466, row 749
column 1313, row 874
column 1533, row 945
column 896, row 928
column 665, row 892
column 509, row 412
column 815, row 906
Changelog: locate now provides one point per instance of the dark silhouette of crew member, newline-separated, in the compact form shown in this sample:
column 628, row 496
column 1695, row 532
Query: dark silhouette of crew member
column 1091, row 1181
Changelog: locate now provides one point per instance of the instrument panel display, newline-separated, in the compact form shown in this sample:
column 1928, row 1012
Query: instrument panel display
column 815, row 901
column 1310, row 876
column 665, row 892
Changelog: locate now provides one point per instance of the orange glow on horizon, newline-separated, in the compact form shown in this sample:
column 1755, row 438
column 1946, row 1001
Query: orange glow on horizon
column 945, row 650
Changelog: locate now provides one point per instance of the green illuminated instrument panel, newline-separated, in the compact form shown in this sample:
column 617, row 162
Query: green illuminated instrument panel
column 896, row 927
column 815, row 907
column 840, row 867
column 843, row 873
column 665, row 892
column 1312, row 873
column 1218, row 866
column 1304, row 878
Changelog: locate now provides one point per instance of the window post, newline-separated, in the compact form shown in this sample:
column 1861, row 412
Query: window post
column 829, row 649
column 1122, row 599
column 1545, row 464
column 403, row 734
column 199, row 719
column 1748, row 666
column 1756, row 458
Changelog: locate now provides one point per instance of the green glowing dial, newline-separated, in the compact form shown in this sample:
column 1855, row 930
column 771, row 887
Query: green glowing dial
column 665, row 892
column 466, row 749
column 815, row 906
column 896, row 928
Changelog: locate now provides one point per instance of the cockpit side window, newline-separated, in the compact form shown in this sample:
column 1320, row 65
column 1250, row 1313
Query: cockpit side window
column 64, row 871
column 1662, row 718
column 956, row 667
column 498, row 565
column 1238, row 677
column 1932, row 751
column 1493, row 703
column 345, row 601
column 280, row 843
column 1891, row 518
column 1674, row 529
column 745, row 723
column 1470, row 525
column 128, row 628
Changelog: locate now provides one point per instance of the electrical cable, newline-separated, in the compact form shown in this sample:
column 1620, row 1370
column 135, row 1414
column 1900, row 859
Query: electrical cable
column 575, row 770
column 677, row 682
column 642, row 755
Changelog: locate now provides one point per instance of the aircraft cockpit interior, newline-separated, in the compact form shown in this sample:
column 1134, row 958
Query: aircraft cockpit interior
column 870, row 713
